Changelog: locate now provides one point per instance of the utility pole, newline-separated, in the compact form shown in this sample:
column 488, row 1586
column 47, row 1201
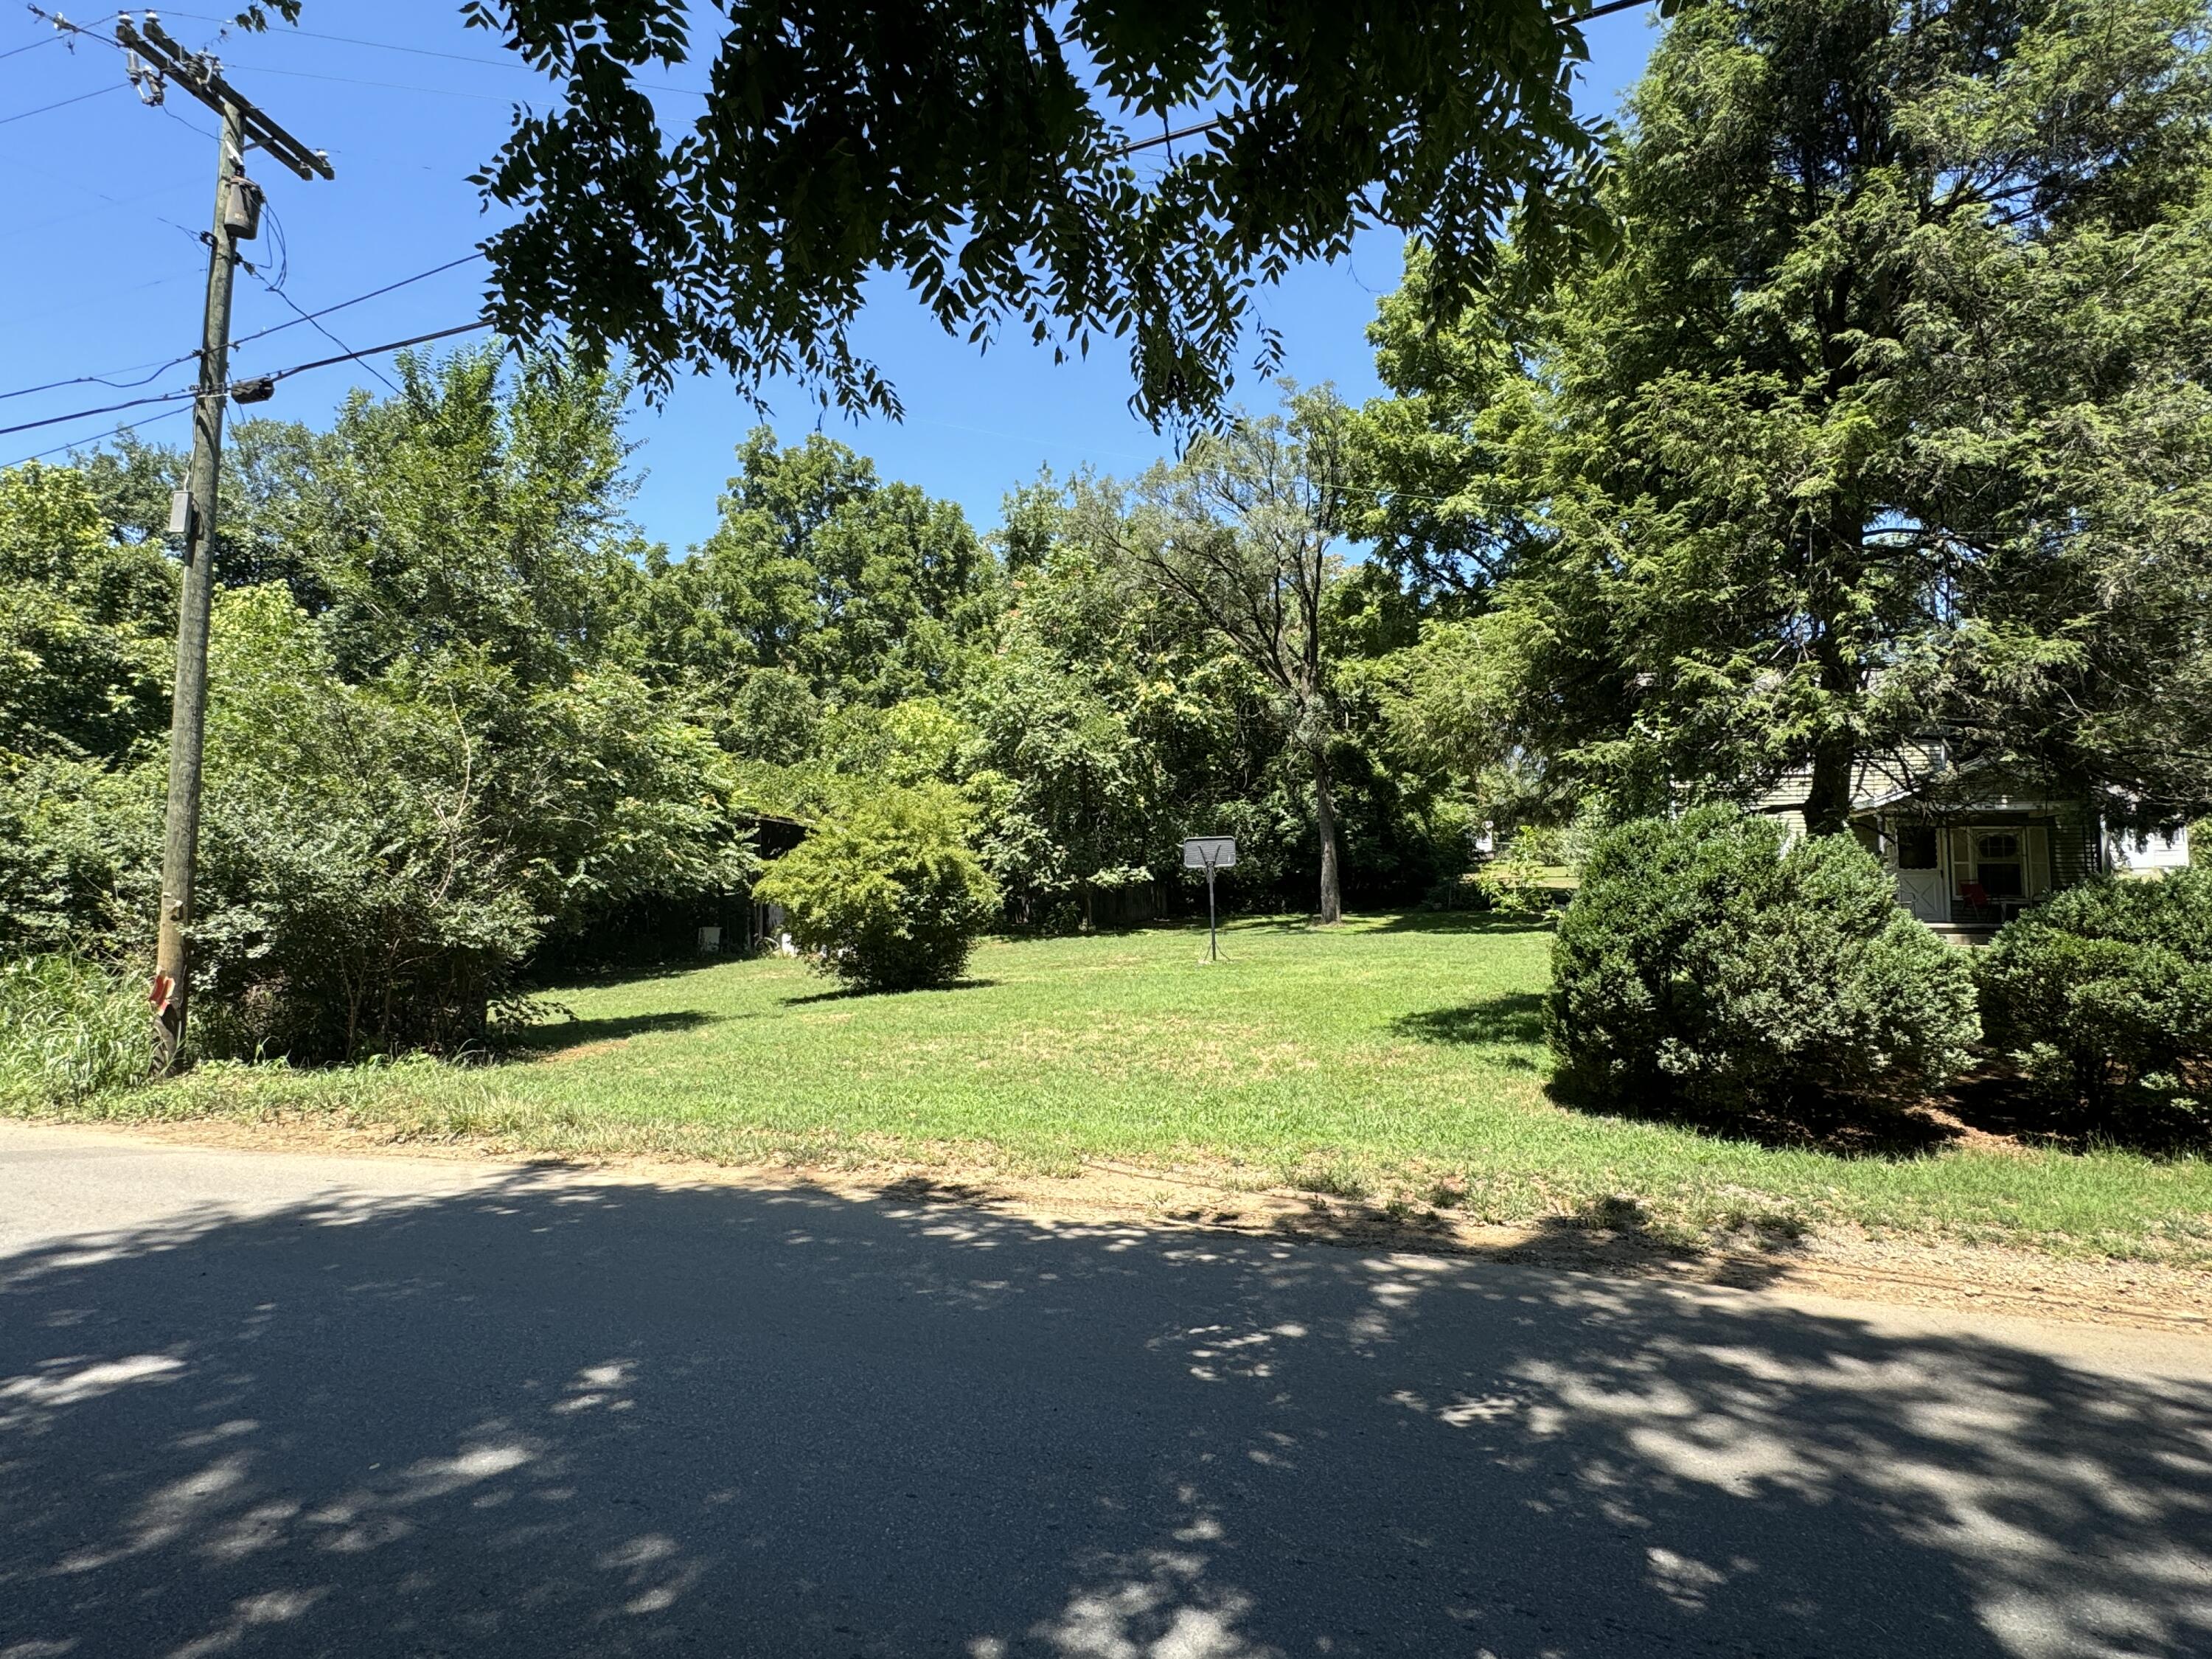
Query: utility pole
column 155, row 59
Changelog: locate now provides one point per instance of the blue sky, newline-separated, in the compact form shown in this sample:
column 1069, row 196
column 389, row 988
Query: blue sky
column 106, row 271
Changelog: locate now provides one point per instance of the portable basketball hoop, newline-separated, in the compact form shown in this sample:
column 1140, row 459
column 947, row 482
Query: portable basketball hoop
column 1210, row 853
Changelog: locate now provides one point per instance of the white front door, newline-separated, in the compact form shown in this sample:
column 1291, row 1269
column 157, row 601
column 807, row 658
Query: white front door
column 1923, row 886
column 1921, row 891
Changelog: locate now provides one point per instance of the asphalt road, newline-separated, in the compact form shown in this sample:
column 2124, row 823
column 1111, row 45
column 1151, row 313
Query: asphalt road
column 275, row 1405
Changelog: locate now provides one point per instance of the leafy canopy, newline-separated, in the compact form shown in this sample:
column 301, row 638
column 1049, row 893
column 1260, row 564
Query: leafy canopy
column 888, row 897
column 980, row 149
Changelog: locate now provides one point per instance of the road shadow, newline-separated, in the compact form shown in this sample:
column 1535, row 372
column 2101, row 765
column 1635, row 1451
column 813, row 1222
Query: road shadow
column 539, row 1415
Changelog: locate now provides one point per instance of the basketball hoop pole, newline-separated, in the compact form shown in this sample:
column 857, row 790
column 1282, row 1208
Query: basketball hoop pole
column 1212, row 853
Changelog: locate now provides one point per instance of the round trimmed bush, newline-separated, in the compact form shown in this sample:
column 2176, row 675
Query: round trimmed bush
column 2104, row 994
column 1710, row 960
column 891, row 897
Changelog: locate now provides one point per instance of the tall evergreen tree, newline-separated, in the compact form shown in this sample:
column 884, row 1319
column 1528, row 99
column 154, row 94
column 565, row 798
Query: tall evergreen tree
column 1891, row 407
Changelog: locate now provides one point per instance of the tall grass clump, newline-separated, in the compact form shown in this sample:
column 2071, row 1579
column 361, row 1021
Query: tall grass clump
column 69, row 1028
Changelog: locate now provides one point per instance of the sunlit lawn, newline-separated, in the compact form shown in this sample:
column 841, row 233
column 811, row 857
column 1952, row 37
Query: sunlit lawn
column 1390, row 1058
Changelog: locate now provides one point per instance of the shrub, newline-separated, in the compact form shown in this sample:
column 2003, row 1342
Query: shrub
column 69, row 1028
column 2104, row 994
column 1708, row 959
column 891, row 897
column 379, row 859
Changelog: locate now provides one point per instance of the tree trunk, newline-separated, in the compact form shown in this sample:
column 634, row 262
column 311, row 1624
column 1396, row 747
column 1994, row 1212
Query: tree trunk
column 1331, row 894
column 1835, row 758
column 1828, row 798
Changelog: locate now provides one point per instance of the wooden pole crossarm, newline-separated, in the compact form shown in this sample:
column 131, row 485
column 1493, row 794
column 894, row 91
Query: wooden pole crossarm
column 201, row 77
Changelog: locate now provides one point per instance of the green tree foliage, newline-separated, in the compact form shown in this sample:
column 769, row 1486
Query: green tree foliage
column 478, row 510
column 1071, row 795
column 86, row 623
column 382, row 856
column 1116, row 718
column 462, row 721
column 2104, row 995
column 79, row 853
column 1241, row 533
column 1891, row 408
column 857, row 590
column 1706, row 960
column 1098, row 719
column 427, row 753
column 888, row 897
column 979, row 150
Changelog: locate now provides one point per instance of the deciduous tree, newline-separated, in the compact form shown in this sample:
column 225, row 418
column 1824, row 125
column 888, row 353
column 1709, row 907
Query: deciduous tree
column 979, row 150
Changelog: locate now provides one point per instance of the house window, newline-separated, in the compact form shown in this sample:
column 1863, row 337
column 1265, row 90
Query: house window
column 1915, row 847
column 1997, row 866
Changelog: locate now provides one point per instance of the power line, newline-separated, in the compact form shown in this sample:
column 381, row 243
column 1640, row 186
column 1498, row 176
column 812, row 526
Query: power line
column 189, row 126
column 99, row 379
column 105, row 408
column 283, row 275
column 101, row 437
column 375, row 292
column 384, row 86
column 370, row 351
column 97, row 92
column 64, row 27
column 271, row 378
column 104, row 379
column 334, row 339
column 508, row 62
column 108, row 203
column 1607, row 9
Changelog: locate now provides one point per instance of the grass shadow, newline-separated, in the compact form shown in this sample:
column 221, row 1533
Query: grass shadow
column 1465, row 921
column 1614, row 1235
column 554, row 1036
column 1893, row 1130
column 855, row 993
column 1516, row 1018
column 602, row 979
column 1408, row 921
column 1998, row 1100
column 1994, row 1104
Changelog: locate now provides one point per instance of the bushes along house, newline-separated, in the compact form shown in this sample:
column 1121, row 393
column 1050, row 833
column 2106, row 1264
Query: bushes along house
column 2104, row 995
column 1713, row 960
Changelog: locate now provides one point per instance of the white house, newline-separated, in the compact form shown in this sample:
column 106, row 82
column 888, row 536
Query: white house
column 1971, row 846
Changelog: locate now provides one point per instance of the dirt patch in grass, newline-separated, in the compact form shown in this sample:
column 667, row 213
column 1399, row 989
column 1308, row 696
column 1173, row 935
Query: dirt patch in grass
column 582, row 1051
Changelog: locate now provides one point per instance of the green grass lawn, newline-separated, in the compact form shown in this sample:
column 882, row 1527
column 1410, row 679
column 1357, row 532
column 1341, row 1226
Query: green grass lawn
column 1390, row 1059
